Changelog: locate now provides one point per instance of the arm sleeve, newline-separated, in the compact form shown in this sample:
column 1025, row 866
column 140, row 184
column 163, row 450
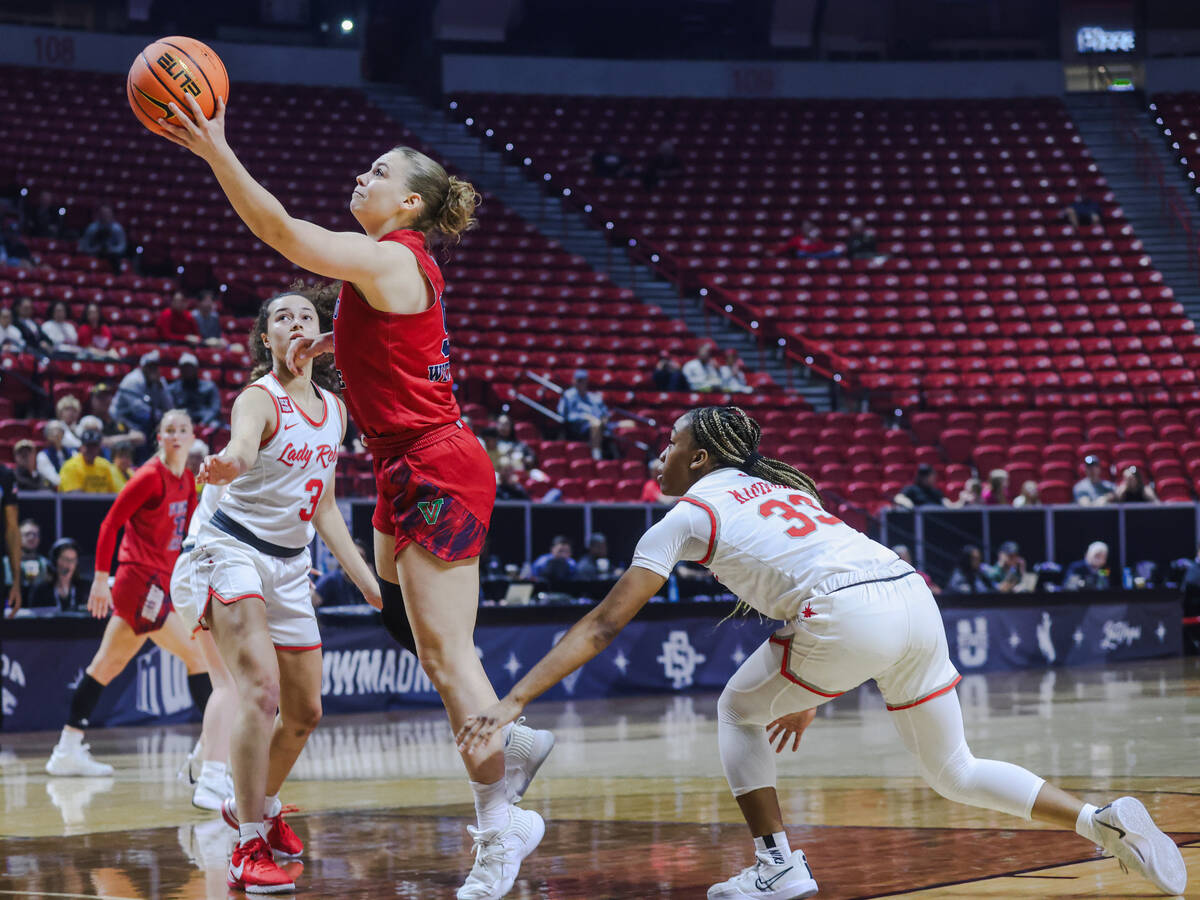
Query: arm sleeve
column 683, row 534
column 144, row 488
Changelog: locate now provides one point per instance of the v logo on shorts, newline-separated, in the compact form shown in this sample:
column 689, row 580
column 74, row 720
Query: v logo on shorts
column 431, row 509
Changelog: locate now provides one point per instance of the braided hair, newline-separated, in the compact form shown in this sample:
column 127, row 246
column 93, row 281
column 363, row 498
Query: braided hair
column 731, row 437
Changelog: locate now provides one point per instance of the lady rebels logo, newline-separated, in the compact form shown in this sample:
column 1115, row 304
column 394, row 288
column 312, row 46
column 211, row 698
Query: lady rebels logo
column 302, row 455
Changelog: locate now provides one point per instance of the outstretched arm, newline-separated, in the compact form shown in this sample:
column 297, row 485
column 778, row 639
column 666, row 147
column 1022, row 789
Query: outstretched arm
column 254, row 421
column 586, row 639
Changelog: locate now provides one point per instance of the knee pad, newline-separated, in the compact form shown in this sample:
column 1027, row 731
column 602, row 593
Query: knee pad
column 395, row 619
column 955, row 779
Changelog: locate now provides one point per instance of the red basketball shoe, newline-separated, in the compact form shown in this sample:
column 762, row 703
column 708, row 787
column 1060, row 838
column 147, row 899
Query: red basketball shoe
column 280, row 835
column 252, row 869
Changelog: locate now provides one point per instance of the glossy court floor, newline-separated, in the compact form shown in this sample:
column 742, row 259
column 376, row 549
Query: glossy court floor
column 635, row 802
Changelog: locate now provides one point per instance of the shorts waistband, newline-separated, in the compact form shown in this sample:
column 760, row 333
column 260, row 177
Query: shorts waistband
column 222, row 522
column 846, row 580
column 399, row 445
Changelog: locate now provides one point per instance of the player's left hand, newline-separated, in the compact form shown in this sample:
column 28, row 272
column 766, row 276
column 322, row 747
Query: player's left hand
column 217, row 469
column 790, row 727
column 479, row 728
column 190, row 129
column 14, row 598
column 373, row 596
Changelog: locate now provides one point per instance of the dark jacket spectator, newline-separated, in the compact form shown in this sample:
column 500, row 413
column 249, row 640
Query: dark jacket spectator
column 664, row 164
column 25, row 469
column 970, row 577
column 43, row 217
column 104, row 238
column 1082, row 211
column 208, row 319
column 35, row 568
column 595, row 564
column 336, row 589
column 668, row 376
column 1093, row 489
column 923, row 491
column 557, row 565
column 175, row 323
column 62, row 589
column 31, row 331
column 861, row 243
column 1089, row 573
column 142, row 397
column 198, row 395
column 1134, row 489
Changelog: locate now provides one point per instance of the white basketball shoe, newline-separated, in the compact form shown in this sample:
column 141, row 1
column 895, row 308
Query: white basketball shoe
column 498, row 855
column 768, row 880
column 1128, row 833
column 525, row 750
column 72, row 757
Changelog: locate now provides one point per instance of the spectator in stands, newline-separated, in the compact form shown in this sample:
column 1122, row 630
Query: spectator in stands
column 25, row 470
column 807, row 244
column 122, row 460
column 336, row 589
column 88, row 471
column 142, row 398
column 13, row 250
column 923, row 491
column 60, row 332
column 665, row 163
column 1134, row 489
column 1030, row 495
column 43, row 217
column 1093, row 489
column 733, row 374
column 11, row 339
column 198, row 395
column 31, row 331
column 516, row 451
column 35, row 568
column 1009, row 571
column 63, row 590
column 702, row 373
column 50, row 458
column 667, row 374
column 95, row 338
column 508, row 482
column 861, row 243
column 902, row 551
column 557, row 565
column 100, row 406
column 68, row 410
column 651, row 490
column 208, row 320
column 1083, row 211
column 175, row 323
column 972, row 491
column 104, row 238
column 595, row 565
column 584, row 414
column 969, row 577
column 996, row 492
column 1089, row 573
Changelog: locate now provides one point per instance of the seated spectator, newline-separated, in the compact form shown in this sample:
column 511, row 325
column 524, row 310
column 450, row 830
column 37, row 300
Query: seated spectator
column 11, row 339
column 43, row 217
column 969, row 577
column 1134, row 489
column 175, row 323
column 733, row 374
column 31, row 331
column 100, row 406
column 208, row 320
column 63, row 589
column 652, row 490
column 996, row 492
column 1008, row 573
column 122, row 460
column 516, row 451
column 1093, row 489
column 508, row 482
column 68, row 410
column 667, row 374
column 861, row 243
column 702, row 373
column 50, row 458
column 60, row 332
column 902, row 551
column 665, row 163
column 13, row 250
column 595, row 564
column 142, row 398
column 1089, row 573
column 1030, row 495
column 35, row 568
column 197, row 394
column 584, row 413
column 807, row 244
column 557, row 565
column 88, row 471
column 25, row 469
column 972, row 491
column 1083, row 211
column 104, row 238
column 95, row 338
column 336, row 589
column 923, row 491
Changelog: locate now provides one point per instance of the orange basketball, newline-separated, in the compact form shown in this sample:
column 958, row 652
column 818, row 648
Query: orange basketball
column 170, row 69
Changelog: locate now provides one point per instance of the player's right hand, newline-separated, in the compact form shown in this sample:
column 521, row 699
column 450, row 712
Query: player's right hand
column 302, row 350
column 100, row 596
column 218, row 469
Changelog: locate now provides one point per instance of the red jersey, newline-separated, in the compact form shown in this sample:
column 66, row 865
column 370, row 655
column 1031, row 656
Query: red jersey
column 154, row 506
column 396, row 368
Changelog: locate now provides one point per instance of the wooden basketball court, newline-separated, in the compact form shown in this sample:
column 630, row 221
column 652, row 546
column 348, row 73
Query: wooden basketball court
column 635, row 802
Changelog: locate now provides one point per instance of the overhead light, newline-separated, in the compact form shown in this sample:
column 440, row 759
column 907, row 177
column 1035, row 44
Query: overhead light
column 347, row 26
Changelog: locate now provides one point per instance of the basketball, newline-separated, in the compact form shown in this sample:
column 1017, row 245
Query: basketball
column 167, row 71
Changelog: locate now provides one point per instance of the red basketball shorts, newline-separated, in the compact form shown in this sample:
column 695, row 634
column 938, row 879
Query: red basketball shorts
column 439, row 494
column 141, row 597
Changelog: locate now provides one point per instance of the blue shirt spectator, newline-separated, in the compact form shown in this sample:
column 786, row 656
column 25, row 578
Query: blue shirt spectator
column 199, row 396
column 584, row 413
column 142, row 398
column 557, row 565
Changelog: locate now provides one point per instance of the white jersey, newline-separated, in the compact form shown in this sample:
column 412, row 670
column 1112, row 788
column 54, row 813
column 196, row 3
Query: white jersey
column 774, row 547
column 277, row 498
column 210, row 495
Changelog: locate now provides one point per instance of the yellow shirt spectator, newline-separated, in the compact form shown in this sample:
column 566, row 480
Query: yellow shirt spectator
column 97, row 477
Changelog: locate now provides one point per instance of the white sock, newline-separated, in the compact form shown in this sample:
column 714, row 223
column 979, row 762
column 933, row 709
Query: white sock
column 1084, row 826
column 774, row 845
column 272, row 806
column 248, row 831
column 212, row 771
column 70, row 738
column 491, row 804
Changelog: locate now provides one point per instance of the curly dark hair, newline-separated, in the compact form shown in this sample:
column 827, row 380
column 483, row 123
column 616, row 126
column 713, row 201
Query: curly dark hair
column 323, row 297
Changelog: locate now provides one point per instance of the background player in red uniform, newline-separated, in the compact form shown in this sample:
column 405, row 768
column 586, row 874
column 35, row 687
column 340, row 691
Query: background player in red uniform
column 436, row 485
column 153, row 508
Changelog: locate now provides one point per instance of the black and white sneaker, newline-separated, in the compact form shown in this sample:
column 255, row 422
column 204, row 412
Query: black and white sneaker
column 1128, row 833
column 768, row 880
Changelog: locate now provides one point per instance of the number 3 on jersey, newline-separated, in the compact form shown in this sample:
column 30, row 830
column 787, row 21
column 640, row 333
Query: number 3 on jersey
column 788, row 512
column 314, row 488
